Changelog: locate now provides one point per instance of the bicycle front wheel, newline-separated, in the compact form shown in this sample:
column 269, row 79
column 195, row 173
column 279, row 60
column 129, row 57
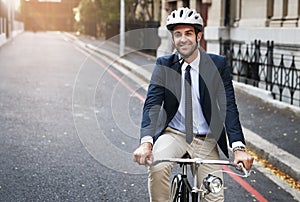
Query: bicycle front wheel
column 176, row 188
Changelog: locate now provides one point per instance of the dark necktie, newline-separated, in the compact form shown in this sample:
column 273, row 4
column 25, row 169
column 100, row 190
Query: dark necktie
column 188, row 105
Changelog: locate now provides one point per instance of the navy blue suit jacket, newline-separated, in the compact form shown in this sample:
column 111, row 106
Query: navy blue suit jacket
column 217, row 98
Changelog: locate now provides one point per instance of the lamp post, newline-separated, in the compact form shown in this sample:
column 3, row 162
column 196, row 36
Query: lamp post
column 122, row 28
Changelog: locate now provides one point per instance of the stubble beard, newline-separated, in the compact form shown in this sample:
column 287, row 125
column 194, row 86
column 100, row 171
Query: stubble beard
column 188, row 54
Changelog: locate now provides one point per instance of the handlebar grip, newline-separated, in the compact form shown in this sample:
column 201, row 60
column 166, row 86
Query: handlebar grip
column 240, row 166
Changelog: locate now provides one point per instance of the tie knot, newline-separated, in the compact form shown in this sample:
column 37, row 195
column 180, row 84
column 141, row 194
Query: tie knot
column 188, row 68
column 187, row 75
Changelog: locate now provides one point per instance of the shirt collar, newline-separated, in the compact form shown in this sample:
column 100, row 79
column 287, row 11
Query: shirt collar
column 194, row 64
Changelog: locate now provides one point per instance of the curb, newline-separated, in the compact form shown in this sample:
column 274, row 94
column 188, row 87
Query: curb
column 281, row 159
column 130, row 66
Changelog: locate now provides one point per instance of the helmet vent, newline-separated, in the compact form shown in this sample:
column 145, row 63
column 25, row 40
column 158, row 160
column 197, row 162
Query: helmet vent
column 181, row 13
column 183, row 16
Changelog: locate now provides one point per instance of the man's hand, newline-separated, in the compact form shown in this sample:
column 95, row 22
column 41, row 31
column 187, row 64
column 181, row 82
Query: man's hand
column 143, row 154
column 243, row 157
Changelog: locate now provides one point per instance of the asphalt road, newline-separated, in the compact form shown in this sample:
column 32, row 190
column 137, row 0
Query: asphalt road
column 69, row 123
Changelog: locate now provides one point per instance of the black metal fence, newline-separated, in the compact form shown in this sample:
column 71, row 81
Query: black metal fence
column 265, row 66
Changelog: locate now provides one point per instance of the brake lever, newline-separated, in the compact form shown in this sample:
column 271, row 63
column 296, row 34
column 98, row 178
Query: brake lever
column 241, row 168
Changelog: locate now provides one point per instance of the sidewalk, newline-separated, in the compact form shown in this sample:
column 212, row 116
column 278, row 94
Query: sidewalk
column 271, row 128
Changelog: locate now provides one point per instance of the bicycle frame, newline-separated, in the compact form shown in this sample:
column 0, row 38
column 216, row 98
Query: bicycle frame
column 180, row 181
column 185, row 189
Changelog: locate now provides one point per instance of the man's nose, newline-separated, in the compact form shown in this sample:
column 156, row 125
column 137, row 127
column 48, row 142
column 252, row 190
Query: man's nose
column 183, row 38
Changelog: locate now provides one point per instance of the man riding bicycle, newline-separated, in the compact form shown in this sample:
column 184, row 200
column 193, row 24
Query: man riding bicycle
column 190, row 108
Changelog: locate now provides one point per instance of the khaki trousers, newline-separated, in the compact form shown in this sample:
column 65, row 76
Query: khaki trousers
column 172, row 144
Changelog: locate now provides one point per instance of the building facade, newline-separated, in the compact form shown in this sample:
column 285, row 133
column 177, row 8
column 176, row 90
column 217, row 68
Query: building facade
column 246, row 20
column 241, row 20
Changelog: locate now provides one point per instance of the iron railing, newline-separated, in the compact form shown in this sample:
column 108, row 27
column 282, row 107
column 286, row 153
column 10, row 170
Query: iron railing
column 265, row 66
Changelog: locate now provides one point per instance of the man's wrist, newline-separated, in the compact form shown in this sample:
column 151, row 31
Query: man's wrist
column 239, row 148
column 238, row 145
column 146, row 145
column 147, row 139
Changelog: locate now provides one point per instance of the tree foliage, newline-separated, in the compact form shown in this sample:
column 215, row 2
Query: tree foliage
column 98, row 10
column 97, row 13
column 101, row 10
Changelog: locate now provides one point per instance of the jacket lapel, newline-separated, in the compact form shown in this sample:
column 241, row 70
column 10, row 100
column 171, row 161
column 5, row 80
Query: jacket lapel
column 176, row 64
column 177, row 67
column 202, row 64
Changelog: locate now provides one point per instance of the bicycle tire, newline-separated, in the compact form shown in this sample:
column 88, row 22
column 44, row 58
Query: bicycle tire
column 175, row 188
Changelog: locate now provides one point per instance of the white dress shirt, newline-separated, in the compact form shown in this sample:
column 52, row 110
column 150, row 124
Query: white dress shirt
column 200, row 125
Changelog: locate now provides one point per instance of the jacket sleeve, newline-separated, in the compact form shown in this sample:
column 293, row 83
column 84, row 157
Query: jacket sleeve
column 153, row 102
column 228, row 107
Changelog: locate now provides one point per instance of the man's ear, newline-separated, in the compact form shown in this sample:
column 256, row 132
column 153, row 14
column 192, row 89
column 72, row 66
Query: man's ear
column 171, row 34
column 199, row 36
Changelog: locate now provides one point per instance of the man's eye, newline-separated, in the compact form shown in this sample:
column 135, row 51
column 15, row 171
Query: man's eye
column 177, row 35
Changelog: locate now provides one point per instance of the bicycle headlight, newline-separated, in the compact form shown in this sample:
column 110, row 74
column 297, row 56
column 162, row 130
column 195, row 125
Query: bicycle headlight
column 213, row 183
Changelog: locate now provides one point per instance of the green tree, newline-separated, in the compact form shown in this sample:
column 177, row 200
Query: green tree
column 88, row 17
column 95, row 15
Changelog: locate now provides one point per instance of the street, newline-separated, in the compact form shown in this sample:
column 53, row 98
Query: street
column 69, row 124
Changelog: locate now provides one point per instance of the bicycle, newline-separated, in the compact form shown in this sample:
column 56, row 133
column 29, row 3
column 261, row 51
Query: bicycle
column 180, row 186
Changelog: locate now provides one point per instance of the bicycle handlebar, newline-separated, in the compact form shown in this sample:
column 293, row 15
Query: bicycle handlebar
column 199, row 161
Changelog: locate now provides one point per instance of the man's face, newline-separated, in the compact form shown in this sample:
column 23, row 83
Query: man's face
column 184, row 38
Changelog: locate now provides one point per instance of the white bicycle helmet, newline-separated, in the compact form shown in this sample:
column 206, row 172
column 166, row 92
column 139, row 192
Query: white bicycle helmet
column 184, row 16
